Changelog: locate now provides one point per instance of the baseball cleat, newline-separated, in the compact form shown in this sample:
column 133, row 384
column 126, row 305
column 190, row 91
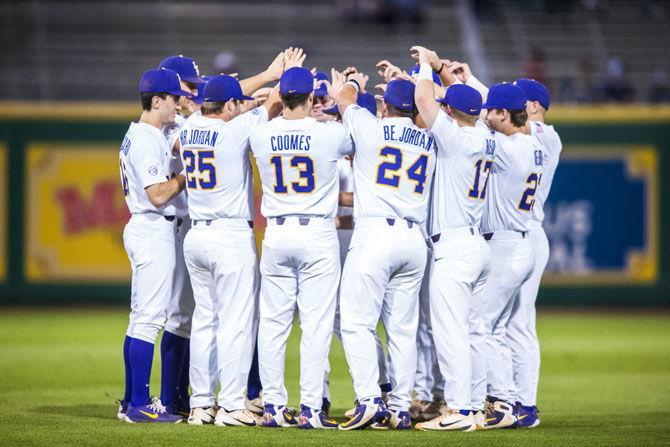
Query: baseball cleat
column 154, row 412
column 201, row 416
column 254, row 405
column 368, row 411
column 461, row 420
column 236, row 418
column 350, row 412
column 499, row 414
column 121, row 412
column 278, row 416
column 310, row 418
column 526, row 416
column 480, row 419
column 396, row 420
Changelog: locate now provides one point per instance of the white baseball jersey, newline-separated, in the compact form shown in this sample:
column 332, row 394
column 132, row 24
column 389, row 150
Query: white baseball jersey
column 393, row 166
column 218, row 173
column 551, row 151
column 297, row 162
column 144, row 161
column 464, row 161
column 513, row 183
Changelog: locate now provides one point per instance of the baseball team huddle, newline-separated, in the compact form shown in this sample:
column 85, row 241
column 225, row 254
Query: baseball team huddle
column 421, row 208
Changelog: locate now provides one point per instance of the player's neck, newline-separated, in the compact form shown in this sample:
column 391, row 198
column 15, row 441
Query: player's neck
column 298, row 113
column 539, row 117
column 511, row 130
column 151, row 119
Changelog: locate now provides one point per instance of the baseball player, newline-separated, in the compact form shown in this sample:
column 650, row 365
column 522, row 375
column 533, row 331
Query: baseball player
column 220, row 251
column 461, row 255
column 344, row 233
column 510, row 197
column 393, row 168
column 175, row 341
column 521, row 331
column 149, row 237
column 297, row 161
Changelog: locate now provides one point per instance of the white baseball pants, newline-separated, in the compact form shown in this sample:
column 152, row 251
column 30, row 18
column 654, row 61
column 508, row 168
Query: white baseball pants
column 521, row 330
column 180, row 309
column 300, row 264
column 461, row 269
column 381, row 278
column 428, row 382
column 222, row 263
column 512, row 263
column 149, row 240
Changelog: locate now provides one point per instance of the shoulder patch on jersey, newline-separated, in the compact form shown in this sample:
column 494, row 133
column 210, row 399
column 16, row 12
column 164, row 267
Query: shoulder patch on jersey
column 355, row 107
column 153, row 170
column 256, row 111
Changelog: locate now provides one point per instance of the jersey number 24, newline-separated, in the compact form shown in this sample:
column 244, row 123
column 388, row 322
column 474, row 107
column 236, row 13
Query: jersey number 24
column 387, row 172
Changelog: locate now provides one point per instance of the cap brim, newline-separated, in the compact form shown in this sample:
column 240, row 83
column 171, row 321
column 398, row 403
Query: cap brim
column 331, row 110
column 194, row 80
column 182, row 93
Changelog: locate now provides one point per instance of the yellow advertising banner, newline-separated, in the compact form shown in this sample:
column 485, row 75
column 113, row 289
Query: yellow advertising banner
column 75, row 214
column 4, row 171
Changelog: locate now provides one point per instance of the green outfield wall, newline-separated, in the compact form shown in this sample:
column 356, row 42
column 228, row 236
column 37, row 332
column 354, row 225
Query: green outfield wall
column 62, row 211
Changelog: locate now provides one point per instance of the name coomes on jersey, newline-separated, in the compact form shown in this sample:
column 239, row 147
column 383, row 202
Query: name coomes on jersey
column 291, row 142
column 199, row 137
column 408, row 135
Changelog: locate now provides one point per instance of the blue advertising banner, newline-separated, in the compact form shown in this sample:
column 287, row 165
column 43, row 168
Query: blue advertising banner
column 602, row 217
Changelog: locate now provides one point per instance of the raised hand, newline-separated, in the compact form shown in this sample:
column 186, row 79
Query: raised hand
column 294, row 57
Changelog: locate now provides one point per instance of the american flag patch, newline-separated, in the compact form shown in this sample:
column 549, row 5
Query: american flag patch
column 538, row 127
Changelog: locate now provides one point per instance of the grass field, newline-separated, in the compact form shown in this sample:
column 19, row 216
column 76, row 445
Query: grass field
column 605, row 381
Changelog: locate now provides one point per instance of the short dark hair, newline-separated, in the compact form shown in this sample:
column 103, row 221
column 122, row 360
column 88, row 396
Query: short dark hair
column 146, row 99
column 518, row 118
column 294, row 100
column 395, row 111
column 214, row 108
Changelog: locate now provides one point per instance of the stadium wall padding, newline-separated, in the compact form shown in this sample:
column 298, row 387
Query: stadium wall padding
column 62, row 211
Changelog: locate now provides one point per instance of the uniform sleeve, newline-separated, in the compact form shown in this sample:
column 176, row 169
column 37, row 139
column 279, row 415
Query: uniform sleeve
column 358, row 122
column 242, row 125
column 347, row 146
column 149, row 163
column 503, row 157
column 444, row 130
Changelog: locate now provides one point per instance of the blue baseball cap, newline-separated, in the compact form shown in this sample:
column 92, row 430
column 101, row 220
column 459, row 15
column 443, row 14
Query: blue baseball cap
column 464, row 98
column 400, row 93
column 535, row 91
column 365, row 100
column 185, row 67
column 222, row 88
column 321, row 89
column 201, row 90
column 414, row 72
column 162, row 80
column 505, row 96
column 296, row 81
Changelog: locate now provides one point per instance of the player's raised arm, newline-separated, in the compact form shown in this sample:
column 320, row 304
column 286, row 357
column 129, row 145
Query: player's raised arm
column 273, row 104
column 424, row 93
column 345, row 91
column 291, row 57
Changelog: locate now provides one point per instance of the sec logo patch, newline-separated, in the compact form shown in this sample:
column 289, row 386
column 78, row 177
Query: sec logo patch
column 153, row 170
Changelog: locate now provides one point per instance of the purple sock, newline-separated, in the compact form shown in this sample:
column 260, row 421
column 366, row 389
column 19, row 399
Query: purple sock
column 140, row 354
column 173, row 349
column 254, row 386
column 126, row 364
column 183, row 379
column 385, row 387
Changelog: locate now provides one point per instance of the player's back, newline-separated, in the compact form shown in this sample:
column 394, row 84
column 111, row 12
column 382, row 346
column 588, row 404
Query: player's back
column 297, row 162
column 551, row 151
column 513, row 183
column 464, row 160
column 218, row 173
column 393, row 166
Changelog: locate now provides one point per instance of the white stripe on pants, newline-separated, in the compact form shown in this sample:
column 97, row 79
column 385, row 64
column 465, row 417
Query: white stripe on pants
column 222, row 263
column 382, row 276
column 460, row 270
column 511, row 265
column 299, row 265
column 521, row 329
